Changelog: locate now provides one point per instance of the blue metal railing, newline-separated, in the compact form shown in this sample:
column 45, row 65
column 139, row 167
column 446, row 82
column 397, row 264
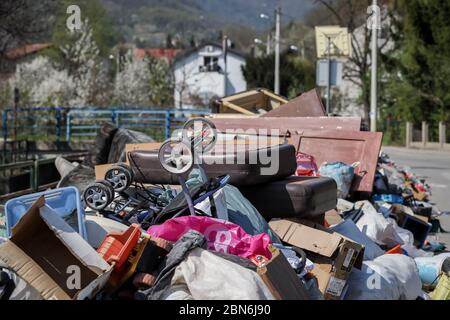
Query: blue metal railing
column 57, row 123
column 36, row 121
column 157, row 123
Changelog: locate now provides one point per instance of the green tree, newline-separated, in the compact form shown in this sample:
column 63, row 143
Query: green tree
column 103, row 33
column 417, row 74
column 297, row 75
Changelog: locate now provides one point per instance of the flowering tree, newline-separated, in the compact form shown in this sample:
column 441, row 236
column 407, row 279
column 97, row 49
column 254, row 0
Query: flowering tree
column 41, row 83
column 146, row 82
column 131, row 85
column 89, row 74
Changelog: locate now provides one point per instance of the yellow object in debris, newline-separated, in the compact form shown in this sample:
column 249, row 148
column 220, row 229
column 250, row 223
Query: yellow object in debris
column 442, row 291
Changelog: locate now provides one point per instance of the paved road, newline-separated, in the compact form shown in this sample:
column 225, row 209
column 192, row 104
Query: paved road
column 434, row 166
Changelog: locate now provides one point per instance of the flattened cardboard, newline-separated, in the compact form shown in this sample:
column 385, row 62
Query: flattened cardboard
column 334, row 256
column 332, row 217
column 47, row 253
column 322, row 243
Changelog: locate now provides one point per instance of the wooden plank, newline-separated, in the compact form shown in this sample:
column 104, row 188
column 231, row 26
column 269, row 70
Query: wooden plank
column 309, row 104
column 291, row 125
column 237, row 108
column 345, row 146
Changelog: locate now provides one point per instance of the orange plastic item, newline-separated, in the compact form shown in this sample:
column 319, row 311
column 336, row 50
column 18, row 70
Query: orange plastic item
column 117, row 247
column 395, row 250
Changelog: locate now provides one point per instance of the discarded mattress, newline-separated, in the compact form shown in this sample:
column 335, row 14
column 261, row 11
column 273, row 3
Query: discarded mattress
column 272, row 163
column 294, row 197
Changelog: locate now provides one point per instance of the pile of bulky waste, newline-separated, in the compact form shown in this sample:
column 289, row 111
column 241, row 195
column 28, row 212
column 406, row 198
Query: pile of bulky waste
column 211, row 214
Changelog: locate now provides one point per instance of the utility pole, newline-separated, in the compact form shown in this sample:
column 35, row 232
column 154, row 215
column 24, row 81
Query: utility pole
column 269, row 43
column 329, row 77
column 277, row 50
column 225, row 68
column 373, row 91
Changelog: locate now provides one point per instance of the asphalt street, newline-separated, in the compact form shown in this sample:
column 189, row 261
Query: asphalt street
column 434, row 166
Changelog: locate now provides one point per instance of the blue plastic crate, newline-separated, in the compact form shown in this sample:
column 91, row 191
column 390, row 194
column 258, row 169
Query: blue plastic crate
column 64, row 201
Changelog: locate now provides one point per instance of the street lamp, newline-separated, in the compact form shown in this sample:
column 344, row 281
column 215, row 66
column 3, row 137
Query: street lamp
column 269, row 36
column 258, row 41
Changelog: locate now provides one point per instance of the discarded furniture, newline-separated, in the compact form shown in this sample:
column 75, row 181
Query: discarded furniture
column 293, row 197
column 250, row 102
column 288, row 124
column 345, row 146
column 309, row 104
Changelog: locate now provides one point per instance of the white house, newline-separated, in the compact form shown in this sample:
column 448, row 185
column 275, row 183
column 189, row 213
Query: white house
column 200, row 77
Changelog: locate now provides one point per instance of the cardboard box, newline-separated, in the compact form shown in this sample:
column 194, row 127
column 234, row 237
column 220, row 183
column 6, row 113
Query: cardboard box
column 332, row 217
column 281, row 279
column 54, row 259
column 334, row 255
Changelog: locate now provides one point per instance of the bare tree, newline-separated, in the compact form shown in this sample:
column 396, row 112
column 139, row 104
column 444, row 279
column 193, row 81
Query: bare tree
column 353, row 15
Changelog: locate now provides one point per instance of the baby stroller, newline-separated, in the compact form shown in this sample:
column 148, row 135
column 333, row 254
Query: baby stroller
column 119, row 198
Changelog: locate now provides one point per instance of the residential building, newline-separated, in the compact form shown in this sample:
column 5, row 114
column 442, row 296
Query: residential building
column 200, row 75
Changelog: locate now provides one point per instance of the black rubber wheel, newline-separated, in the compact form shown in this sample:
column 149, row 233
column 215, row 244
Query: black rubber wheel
column 128, row 170
column 119, row 177
column 111, row 191
column 97, row 196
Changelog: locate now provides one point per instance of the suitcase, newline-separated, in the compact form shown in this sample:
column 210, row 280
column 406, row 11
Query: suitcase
column 294, row 197
column 148, row 169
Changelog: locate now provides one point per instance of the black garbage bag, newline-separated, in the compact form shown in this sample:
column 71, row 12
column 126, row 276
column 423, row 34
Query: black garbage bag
column 103, row 142
column 122, row 138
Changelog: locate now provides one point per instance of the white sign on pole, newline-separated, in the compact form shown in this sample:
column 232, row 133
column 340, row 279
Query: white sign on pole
column 335, row 39
column 322, row 73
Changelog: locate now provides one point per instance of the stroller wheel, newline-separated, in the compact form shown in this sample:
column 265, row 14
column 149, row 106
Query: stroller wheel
column 109, row 187
column 128, row 170
column 176, row 156
column 202, row 132
column 97, row 196
column 119, row 177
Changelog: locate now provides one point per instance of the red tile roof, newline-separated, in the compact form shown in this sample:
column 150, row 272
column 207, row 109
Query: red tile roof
column 26, row 50
column 158, row 53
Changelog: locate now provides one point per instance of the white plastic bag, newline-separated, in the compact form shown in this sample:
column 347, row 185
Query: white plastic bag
column 210, row 277
column 374, row 225
column 388, row 277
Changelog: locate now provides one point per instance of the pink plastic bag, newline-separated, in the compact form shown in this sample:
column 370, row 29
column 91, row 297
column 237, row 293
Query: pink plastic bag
column 306, row 165
column 222, row 236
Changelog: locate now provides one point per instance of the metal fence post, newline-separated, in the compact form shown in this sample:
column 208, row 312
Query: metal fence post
column 114, row 117
column 409, row 134
column 68, row 125
column 442, row 134
column 424, row 134
column 168, row 124
column 5, row 125
column 36, row 175
column 58, row 124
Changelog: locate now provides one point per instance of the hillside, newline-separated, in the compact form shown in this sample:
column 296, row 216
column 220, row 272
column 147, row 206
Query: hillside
column 149, row 22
